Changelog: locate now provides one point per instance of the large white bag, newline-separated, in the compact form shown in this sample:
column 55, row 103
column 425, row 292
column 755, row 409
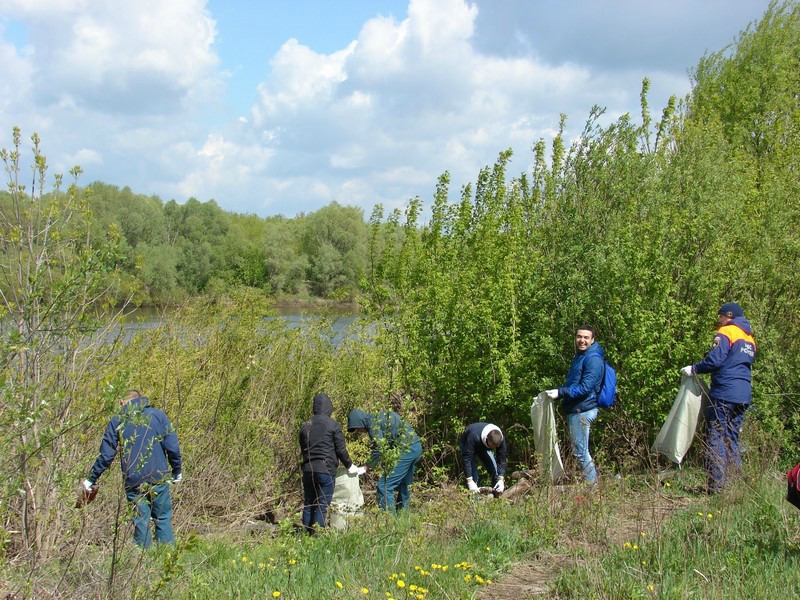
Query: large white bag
column 347, row 501
column 686, row 415
column 545, row 438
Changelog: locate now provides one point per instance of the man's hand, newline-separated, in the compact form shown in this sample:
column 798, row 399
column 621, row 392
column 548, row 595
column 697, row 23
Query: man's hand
column 471, row 485
column 552, row 394
column 500, row 486
column 352, row 469
column 361, row 471
column 688, row 371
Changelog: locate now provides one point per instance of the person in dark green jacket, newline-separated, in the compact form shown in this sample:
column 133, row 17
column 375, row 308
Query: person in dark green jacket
column 397, row 447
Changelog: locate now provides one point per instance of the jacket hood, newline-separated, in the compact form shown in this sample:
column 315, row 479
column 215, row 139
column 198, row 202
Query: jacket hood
column 743, row 324
column 595, row 348
column 323, row 405
column 357, row 419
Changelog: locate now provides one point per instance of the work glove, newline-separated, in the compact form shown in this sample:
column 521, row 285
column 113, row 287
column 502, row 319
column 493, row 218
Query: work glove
column 688, row 371
column 552, row 394
column 177, row 478
column 87, row 485
column 500, row 486
column 352, row 469
column 361, row 471
column 471, row 485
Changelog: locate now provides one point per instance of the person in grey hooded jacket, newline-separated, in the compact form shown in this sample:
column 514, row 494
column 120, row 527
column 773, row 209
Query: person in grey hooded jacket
column 397, row 447
column 322, row 446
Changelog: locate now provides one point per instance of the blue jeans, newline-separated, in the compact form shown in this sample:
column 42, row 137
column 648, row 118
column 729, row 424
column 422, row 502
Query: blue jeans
column 486, row 458
column 152, row 503
column 317, row 495
column 398, row 480
column 579, row 425
column 723, row 457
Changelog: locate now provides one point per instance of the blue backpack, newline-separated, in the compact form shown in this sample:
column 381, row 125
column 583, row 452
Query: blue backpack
column 608, row 387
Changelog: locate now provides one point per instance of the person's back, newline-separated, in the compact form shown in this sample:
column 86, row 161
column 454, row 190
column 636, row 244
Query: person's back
column 322, row 440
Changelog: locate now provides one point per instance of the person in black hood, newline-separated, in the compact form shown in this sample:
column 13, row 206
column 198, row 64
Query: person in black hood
column 322, row 446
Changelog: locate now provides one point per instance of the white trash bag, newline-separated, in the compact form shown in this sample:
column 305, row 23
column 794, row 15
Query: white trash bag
column 686, row 415
column 347, row 502
column 545, row 438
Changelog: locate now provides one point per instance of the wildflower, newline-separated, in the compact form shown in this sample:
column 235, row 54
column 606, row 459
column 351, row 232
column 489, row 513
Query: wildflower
column 244, row 559
column 467, row 577
column 699, row 514
column 650, row 588
column 627, row 545
column 261, row 565
column 401, row 583
column 478, row 579
column 420, row 597
column 412, row 588
column 339, row 584
column 635, row 546
column 488, row 582
column 292, row 561
column 444, row 568
column 364, row 591
column 276, row 594
column 710, row 516
column 393, row 576
column 488, row 549
column 644, row 562
column 667, row 484
column 643, row 534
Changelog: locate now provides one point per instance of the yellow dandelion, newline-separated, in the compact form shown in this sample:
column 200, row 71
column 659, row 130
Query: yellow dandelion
column 244, row 559
column 644, row 562
column 478, row 579
column 667, row 484
column 292, row 561
column 403, row 575
column 635, row 546
column 642, row 534
column 276, row 594
column 393, row 576
column 445, row 567
column 699, row 514
column 488, row 582
column 412, row 587
column 261, row 565
column 420, row 597
column 339, row 584
column 627, row 545
column 364, row 591
column 401, row 583
column 710, row 516
column 467, row 577
column 488, row 549
column 650, row 588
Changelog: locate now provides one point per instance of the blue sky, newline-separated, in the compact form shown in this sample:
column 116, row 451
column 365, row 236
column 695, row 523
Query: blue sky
column 279, row 107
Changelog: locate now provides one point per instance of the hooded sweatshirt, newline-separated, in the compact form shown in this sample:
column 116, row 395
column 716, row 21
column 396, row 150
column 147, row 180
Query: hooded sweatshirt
column 150, row 452
column 729, row 361
column 322, row 443
column 386, row 428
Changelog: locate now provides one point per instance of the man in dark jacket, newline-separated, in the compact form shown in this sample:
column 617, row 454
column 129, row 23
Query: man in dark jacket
column 729, row 361
column 579, row 396
column 479, row 441
column 150, row 461
column 322, row 446
column 397, row 446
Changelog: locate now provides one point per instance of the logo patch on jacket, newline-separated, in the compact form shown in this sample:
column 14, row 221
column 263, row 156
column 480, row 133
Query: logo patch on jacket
column 717, row 340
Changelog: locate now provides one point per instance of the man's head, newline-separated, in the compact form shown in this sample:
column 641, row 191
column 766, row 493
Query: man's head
column 131, row 395
column 584, row 337
column 728, row 312
column 494, row 439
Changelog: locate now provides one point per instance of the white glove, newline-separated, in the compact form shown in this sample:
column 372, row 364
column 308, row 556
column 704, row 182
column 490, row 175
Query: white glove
column 361, row 471
column 178, row 478
column 500, row 486
column 552, row 394
column 471, row 485
column 688, row 371
column 87, row 485
column 353, row 469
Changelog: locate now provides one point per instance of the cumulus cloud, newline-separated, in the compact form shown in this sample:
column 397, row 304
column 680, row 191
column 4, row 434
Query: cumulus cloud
column 135, row 92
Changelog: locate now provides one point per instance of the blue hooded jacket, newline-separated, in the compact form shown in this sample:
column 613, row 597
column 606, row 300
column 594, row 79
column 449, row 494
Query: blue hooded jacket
column 150, row 452
column 387, row 427
column 584, row 379
column 729, row 362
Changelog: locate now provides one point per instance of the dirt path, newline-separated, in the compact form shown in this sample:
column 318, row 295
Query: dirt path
column 534, row 578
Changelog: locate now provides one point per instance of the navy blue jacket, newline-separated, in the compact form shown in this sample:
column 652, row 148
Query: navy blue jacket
column 729, row 362
column 470, row 443
column 322, row 443
column 150, row 452
column 387, row 427
column 584, row 379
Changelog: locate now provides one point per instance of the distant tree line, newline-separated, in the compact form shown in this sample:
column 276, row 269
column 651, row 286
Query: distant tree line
column 170, row 251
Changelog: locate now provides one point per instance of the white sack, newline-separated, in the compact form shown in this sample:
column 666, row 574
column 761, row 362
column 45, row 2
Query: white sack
column 347, row 501
column 678, row 431
column 545, row 439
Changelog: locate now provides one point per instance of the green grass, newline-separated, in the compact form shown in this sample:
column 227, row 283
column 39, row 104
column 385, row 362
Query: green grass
column 637, row 537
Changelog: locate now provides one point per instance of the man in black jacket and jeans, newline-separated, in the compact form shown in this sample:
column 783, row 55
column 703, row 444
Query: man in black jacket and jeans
column 322, row 446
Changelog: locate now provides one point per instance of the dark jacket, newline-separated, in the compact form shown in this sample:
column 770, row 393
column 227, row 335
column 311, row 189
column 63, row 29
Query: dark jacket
column 584, row 379
column 729, row 362
column 150, row 452
column 322, row 443
column 470, row 442
column 387, row 428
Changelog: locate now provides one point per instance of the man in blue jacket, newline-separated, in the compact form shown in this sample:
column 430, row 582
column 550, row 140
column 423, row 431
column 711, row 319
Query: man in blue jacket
column 480, row 441
column 579, row 397
column 397, row 446
column 729, row 361
column 150, row 459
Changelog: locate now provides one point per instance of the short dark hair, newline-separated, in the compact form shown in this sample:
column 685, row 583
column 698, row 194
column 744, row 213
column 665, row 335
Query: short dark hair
column 586, row 328
column 495, row 437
